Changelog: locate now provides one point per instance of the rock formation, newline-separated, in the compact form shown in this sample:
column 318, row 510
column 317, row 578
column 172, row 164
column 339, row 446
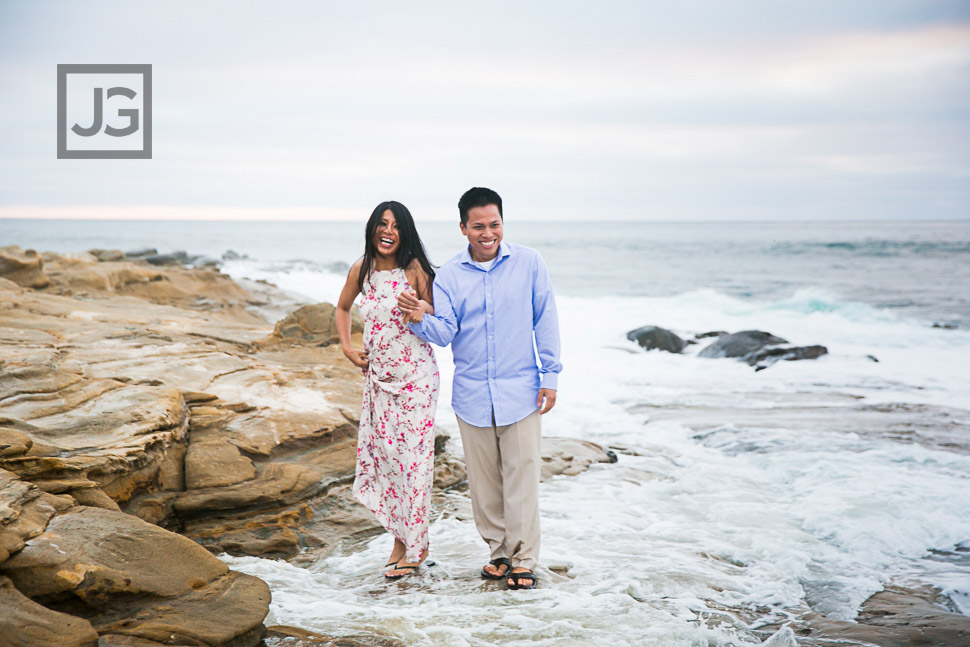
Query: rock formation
column 149, row 417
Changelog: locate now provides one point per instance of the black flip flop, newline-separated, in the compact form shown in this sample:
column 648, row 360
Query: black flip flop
column 410, row 570
column 501, row 561
column 524, row 575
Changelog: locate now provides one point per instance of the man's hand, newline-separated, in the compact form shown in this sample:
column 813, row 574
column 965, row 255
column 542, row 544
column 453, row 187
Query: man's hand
column 412, row 307
column 549, row 395
column 357, row 357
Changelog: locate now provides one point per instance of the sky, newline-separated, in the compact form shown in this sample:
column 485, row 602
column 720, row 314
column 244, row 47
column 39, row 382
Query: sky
column 642, row 110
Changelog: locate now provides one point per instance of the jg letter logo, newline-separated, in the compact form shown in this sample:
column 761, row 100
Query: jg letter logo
column 104, row 111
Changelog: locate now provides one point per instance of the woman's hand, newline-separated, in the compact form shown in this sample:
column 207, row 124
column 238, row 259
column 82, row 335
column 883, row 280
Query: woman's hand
column 413, row 308
column 357, row 357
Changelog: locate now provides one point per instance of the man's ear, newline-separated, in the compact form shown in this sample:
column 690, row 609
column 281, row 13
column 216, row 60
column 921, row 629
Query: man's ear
column 461, row 227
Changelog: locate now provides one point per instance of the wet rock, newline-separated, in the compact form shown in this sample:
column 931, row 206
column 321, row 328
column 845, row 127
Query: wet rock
column 740, row 344
column 571, row 456
column 449, row 470
column 712, row 333
column 312, row 325
column 25, row 267
column 174, row 258
column 654, row 337
column 205, row 261
column 25, row 623
column 872, row 358
column 895, row 617
column 107, row 255
column 765, row 357
column 233, row 255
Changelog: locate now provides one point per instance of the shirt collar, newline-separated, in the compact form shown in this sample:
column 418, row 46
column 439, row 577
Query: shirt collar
column 504, row 250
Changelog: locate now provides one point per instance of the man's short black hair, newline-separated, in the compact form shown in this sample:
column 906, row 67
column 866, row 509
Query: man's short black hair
column 478, row 197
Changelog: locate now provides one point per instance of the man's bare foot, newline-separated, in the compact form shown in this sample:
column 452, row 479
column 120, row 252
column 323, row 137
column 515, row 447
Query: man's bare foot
column 527, row 580
column 496, row 568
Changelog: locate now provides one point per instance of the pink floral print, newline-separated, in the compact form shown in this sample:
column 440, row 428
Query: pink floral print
column 395, row 442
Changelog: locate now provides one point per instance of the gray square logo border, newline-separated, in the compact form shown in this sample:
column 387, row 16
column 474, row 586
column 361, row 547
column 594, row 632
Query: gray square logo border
column 63, row 69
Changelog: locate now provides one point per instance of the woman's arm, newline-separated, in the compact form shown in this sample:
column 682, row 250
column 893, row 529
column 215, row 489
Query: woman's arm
column 342, row 316
column 421, row 284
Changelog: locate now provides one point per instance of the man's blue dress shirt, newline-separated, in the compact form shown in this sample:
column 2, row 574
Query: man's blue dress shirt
column 490, row 318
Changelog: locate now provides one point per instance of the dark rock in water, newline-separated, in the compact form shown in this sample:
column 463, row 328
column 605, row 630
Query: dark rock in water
column 741, row 343
column 139, row 253
column 174, row 258
column 233, row 255
column 946, row 325
column 650, row 337
column 765, row 357
column 873, row 358
column 712, row 333
column 205, row 261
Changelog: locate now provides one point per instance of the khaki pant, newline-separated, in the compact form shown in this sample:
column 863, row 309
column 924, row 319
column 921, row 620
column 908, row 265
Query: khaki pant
column 503, row 466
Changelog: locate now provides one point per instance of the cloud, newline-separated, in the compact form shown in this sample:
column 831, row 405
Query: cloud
column 326, row 108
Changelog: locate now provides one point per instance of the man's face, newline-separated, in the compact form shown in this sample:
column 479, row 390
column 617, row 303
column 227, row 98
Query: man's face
column 484, row 232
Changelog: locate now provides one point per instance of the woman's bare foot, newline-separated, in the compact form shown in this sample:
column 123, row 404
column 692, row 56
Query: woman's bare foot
column 397, row 553
column 405, row 568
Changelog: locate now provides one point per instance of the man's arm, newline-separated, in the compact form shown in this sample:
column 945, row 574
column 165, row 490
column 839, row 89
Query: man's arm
column 439, row 328
column 545, row 324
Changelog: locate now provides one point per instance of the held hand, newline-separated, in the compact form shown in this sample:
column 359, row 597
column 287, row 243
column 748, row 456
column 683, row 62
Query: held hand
column 357, row 357
column 407, row 301
column 413, row 308
column 549, row 395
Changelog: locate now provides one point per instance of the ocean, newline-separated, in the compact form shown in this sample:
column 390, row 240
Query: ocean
column 741, row 499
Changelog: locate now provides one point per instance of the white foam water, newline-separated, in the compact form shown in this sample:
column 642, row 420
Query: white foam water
column 741, row 498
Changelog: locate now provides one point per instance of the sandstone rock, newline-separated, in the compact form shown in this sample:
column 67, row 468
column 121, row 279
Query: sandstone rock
column 214, row 462
column 740, row 343
column 24, row 623
column 97, row 555
column 654, row 337
column 23, row 267
column 313, row 325
column 13, row 442
column 25, row 511
column 228, row 610
column 277, row 485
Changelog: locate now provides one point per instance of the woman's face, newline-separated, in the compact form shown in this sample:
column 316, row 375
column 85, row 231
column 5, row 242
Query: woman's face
column 386, row 237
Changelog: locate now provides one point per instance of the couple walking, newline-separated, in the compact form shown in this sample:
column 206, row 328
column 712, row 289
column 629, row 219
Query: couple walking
column 493, row 303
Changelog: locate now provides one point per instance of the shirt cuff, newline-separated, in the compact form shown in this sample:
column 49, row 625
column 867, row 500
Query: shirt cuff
column 549, row 381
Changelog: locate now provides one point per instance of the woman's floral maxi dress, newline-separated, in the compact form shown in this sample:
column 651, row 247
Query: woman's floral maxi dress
column 395, row 444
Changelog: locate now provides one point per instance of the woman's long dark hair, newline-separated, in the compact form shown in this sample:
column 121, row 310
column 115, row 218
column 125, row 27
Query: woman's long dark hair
column 410, row 247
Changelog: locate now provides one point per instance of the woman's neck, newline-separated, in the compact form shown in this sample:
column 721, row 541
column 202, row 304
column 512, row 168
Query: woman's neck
column 383, row 263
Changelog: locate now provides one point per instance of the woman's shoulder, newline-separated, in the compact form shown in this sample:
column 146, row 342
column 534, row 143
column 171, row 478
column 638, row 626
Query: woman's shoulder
column 355, row 268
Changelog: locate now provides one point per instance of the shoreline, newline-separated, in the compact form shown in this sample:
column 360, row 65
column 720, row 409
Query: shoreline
column 166, row 394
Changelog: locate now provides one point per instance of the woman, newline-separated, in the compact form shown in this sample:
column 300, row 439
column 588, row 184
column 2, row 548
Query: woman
column 395, row 445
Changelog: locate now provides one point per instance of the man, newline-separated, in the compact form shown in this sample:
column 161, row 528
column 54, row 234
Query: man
column 491, row 302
